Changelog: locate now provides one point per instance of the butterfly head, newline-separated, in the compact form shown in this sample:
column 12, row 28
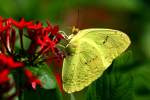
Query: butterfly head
column 70, row 49
column 74, row 32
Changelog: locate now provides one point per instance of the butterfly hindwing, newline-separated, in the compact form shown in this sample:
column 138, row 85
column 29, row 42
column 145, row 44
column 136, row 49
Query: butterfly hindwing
column 81, row 72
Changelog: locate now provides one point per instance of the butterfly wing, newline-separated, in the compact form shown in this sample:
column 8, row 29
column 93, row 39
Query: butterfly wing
column 92, row 51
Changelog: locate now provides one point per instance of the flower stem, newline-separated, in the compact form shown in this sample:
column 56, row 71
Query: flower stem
column 20, row 85
column 4, row 43
column 21, row 39
column 39, row 53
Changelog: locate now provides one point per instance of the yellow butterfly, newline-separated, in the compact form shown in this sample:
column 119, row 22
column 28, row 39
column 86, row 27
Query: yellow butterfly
column 90, row 53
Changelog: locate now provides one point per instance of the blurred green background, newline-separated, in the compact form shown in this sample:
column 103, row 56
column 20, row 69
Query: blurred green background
column 129, row 76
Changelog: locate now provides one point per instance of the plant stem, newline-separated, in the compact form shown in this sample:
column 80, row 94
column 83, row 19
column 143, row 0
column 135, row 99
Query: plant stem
column 20, row 85
column 21, row 39
column 39, row 53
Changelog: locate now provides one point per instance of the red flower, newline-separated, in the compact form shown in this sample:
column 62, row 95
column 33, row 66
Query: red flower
column 2, row 27
column 4, row 76
column 54, row 30
column 44, row 37
column 12, row 64
column 8, row 62
column 46, row 43
column 22, row 23
column 32, row 79
column 35, row 26
column 59, row 82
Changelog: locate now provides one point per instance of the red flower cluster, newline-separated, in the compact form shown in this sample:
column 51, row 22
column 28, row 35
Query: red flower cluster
column 6, row 64
column 43, row 39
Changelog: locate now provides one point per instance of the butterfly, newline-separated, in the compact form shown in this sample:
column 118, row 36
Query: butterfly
column 89, row 53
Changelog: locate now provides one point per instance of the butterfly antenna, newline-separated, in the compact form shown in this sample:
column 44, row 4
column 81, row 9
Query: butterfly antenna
column 77, row 21
column 75, row 28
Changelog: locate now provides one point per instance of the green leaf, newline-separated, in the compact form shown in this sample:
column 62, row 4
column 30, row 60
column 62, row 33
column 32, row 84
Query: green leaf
column 26, row 41
column 42, row 94
column 50, row 90
column 113, row 84
column 91, row 93
column 141, row 82
column 123, row 62
column 44, row 74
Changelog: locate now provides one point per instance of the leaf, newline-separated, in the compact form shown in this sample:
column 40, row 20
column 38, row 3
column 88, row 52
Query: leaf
column 42, row 94
column 124, row 61
column 49, row 91
column 26, row 41
column 80, row 95
column 44, row 74
column 141, row 82
column 113, row 85
column 92, row 91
